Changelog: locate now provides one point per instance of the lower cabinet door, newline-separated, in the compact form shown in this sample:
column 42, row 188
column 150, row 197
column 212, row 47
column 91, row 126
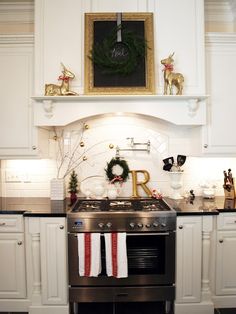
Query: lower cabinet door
column 54, row 260
column 12, row 266
column 226, row 263
column 188, row 259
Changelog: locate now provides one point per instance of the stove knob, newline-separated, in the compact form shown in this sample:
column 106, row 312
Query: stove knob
column 101, row 225
column 155, row 224
column 140, row 225
column 148, row 225
column 109, row 225
column 163, row 224
column 132, row 225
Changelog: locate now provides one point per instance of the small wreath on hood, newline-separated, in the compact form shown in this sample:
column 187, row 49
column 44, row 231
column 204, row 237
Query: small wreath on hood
column 117, row 170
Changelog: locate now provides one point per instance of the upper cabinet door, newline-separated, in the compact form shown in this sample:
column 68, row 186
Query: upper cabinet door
column 17, row 136
column 220, row 71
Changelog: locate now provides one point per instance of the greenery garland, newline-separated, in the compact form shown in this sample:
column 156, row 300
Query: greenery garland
column 112, row 177
column 133, row 45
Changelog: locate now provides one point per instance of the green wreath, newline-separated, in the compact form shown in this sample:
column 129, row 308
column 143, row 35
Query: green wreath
column 112, row 177
column 133, row 45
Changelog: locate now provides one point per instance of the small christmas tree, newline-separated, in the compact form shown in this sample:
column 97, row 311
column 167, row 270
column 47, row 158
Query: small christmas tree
column 73, row 186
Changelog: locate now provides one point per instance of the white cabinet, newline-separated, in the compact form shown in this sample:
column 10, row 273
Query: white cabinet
column 226, row 254
column 220, row 68
column 18, row 136
column 188, row 260
column 53, row 260
column 12, row 255
column 47, row 264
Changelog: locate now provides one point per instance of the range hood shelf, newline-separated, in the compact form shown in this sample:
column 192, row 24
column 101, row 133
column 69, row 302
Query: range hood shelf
column 62, row 110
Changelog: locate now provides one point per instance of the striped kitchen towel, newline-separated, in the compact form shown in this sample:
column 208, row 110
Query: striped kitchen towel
column 89, row 253
column 116, row 254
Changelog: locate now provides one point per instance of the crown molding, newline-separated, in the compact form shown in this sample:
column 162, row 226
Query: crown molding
column 15, row 12
column 17, row 39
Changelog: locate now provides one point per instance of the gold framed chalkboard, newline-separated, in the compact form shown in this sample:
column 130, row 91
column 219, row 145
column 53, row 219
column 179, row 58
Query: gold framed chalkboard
column 99, row 28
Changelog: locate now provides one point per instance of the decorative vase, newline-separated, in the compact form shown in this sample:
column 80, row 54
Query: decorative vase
column 176, row 184
column 57, row 189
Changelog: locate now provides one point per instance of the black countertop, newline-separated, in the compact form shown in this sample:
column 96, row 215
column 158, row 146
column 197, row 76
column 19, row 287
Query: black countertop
column 34, row 206
column 44, row 207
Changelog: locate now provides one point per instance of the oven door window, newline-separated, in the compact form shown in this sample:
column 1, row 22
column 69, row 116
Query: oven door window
column 146, row 254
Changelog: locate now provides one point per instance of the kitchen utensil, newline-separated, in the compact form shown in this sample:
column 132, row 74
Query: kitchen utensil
column 230, row 177
column 169, row 160
column 181, row 160
column 167, row 167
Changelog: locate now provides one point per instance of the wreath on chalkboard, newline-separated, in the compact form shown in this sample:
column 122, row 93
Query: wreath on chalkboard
column 117, row 176
column 119, row 57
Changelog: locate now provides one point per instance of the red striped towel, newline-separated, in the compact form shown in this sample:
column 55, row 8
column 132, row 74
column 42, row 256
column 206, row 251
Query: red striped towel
column 116, row 254
column 89, row 253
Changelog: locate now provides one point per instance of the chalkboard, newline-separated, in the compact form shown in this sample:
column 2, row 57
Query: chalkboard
column 98, row 28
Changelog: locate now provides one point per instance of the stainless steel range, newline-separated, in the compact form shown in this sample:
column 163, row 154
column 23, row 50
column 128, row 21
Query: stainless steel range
column 150, row 226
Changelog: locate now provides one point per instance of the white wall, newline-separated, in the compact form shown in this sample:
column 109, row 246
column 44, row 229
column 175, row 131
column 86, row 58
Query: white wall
column 166, row 140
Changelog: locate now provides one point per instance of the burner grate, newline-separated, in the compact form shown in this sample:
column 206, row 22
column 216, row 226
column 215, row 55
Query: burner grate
column 129, row 205
column 154, row 205
column 88, row 206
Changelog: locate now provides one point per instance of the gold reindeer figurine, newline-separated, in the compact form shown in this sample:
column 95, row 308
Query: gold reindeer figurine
column 170, row 78
column 63, row 89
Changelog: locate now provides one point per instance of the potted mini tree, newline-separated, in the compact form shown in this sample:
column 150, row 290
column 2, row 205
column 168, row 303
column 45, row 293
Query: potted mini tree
column 73, row 187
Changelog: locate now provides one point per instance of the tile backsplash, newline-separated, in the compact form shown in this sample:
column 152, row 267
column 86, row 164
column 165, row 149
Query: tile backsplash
column 31, row 178
column 39, row 173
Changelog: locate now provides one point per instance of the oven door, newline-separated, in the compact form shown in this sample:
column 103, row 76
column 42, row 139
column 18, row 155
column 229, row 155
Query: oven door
column 151, row 261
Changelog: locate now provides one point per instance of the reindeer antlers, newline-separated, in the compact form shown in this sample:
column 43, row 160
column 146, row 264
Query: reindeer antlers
column 63, row 66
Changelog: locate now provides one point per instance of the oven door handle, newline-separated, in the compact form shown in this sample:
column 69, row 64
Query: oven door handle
column 149, row 234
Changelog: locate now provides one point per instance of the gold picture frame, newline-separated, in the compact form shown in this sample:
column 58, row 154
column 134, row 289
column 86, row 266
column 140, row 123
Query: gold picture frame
column 141, row 82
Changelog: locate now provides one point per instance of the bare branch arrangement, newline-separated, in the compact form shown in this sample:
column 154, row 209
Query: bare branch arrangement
column 72, row 150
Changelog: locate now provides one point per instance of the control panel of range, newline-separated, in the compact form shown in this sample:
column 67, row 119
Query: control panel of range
column 125, row 225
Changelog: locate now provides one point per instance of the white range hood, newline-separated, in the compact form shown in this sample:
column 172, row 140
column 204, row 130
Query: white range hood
column 62, row 110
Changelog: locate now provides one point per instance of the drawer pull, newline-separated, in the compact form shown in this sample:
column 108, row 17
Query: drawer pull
column 2, row 224
column 221, row 241
column 181, row 227
column 61, row 227
column 19, row 242
column 122, row 294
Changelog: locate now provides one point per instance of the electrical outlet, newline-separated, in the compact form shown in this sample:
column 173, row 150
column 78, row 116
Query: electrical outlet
column 13, row 176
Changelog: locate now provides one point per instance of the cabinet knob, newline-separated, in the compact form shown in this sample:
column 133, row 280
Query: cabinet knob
column 221, row 241
column 205, row 145
column 19, row 242
column 61, row 227
column 2, row 223
column 34, row 147
column 181, row 227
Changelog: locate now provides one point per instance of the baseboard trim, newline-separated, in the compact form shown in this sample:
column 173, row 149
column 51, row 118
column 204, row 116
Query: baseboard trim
column 224, row 301
column 195, row 308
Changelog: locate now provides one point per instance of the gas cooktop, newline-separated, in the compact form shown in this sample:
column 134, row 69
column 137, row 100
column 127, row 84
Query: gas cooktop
column 123, row 214
column 118, row 205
